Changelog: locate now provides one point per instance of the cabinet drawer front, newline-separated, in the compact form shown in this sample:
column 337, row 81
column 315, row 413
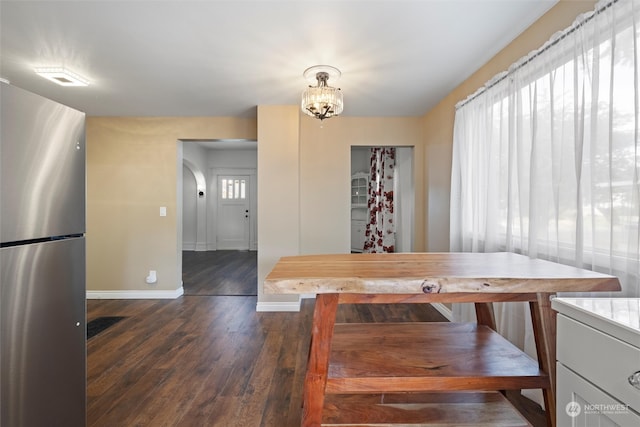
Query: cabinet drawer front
column 580, row 403
column 601, row 359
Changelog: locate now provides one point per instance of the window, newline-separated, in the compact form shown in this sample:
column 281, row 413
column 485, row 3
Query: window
column 233, row 188
column 547, row 159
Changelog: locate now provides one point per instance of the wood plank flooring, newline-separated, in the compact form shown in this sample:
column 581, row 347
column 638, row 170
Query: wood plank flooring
column 220, row 272
column 212, row 361
column 207, row 361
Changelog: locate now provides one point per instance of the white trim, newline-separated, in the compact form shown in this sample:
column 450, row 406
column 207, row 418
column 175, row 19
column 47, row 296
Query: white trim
column 195, row 246
column 137, row 294
column 444, row 310
column 278, row 306
column 307, row 296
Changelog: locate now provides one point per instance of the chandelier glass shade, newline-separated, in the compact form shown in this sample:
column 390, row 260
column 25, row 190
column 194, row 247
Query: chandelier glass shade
column 322, row 101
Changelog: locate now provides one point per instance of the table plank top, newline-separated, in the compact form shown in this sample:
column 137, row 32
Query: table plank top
column 420, row 273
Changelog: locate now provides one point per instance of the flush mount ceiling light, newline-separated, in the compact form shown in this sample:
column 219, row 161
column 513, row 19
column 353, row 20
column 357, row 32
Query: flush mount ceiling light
column 62, row 76
column 322, row 101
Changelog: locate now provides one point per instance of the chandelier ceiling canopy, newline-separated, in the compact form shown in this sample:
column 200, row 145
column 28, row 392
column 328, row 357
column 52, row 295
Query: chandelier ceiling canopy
column 322, row 101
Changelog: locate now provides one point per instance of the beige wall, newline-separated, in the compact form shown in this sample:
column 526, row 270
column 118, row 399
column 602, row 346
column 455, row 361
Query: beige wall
column 304, row 173
column 325, row 175
column 303, row 189
column 131, row 171
column 278, row 195
column 438, row 123
column 303, row 178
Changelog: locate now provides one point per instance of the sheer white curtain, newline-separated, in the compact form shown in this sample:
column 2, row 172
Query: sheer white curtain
column 546, row 158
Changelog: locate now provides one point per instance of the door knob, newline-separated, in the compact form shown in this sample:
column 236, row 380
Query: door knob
column 634, row 380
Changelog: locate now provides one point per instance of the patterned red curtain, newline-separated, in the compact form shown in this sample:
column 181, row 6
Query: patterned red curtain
column 380, row 231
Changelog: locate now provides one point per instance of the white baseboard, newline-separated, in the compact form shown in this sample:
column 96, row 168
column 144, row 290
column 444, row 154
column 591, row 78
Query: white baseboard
column 278, row 306
column 193, row 246
column 137, row 294
column 444, row 310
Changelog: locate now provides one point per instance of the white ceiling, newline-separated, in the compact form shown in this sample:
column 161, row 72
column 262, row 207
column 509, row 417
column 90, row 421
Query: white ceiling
column 223, row 58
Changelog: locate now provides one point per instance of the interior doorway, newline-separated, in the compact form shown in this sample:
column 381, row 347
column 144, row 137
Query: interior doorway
column 220, row 273
column 194, row 208
column 218, row 195
column 403, row 197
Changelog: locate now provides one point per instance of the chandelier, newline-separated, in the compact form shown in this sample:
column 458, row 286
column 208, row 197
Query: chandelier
column 322, row 101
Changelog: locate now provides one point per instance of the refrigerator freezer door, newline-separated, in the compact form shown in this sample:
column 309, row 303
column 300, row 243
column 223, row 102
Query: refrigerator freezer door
column 43, row 334
column 42, row 167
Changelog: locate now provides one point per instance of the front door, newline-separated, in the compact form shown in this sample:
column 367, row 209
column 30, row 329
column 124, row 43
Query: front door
column 233, row 212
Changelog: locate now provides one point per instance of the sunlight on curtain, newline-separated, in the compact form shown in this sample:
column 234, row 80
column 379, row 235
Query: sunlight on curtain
column 380, row 231
column 546, row 158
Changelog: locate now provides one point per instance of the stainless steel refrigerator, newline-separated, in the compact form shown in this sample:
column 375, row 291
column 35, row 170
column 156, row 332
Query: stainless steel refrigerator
column 42, row 262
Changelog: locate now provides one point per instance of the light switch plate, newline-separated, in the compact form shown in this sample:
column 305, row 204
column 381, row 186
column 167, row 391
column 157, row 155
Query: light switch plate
column 163, row 211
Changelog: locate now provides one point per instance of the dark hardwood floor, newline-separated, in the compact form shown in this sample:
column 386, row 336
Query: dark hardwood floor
column 213, row 361
column 207, row 361
column 220, row 272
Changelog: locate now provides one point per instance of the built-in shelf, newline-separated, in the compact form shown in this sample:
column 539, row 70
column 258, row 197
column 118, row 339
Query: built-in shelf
column 359, row 195
column 359, row 189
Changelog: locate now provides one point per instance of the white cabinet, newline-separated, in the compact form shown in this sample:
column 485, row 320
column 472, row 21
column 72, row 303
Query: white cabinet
column 359, row 196
column 598, row 361
column 359, row 190
column 358, row 228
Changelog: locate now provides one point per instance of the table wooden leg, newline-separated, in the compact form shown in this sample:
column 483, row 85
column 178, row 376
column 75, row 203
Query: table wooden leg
column 485, row 315
column 544, row 329
column 324, row 318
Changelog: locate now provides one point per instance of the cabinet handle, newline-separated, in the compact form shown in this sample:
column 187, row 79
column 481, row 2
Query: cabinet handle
column 634, row 380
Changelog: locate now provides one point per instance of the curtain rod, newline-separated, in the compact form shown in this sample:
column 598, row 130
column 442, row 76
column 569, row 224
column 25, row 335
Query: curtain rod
column 535, row 55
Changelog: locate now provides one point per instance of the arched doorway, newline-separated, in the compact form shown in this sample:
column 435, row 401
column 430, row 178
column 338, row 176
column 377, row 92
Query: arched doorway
column 194, row 209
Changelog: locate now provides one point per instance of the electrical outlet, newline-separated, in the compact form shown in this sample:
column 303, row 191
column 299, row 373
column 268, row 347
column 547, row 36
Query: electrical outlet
column 152, row 277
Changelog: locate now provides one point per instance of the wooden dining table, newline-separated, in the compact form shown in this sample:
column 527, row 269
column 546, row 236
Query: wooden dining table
column 385, row 359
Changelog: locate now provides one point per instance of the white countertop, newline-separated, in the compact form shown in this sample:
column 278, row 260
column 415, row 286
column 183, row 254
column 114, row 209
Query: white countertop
column 619, row 317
